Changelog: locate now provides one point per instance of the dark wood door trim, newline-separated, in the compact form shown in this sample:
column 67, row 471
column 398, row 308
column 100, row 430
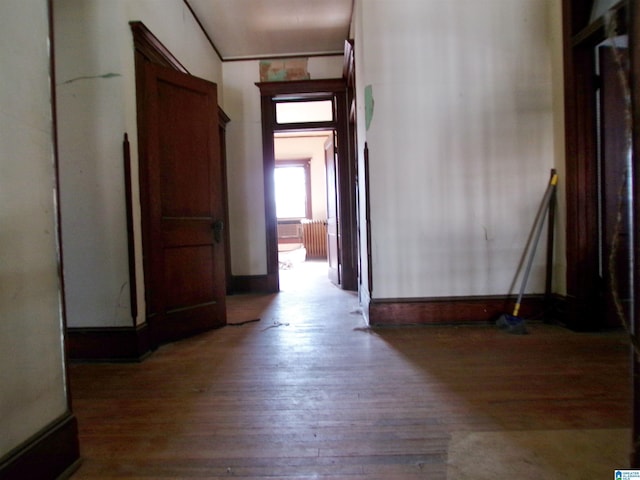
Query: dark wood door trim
column 128, row 195
column 152, row 49
column 268, row 167
column 147, row 49
column 223, row 121
column 346, row 198
column 580, row 38
column 583, row 282
column 311, row 89
column 360, row 177
column 634, row 44
column 306, row 88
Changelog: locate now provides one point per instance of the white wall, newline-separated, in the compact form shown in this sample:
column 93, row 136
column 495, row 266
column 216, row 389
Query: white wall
column 311, row 147
column 241, row 101
column 361, row 135
column 96, row 106
column 32, row 375
column 461, row 141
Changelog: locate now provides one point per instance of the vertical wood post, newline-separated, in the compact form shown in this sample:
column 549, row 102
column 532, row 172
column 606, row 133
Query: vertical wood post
column 126, row 153
column 634, row 44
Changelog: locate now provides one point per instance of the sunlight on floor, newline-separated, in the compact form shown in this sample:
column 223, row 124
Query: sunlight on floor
column 304, row 275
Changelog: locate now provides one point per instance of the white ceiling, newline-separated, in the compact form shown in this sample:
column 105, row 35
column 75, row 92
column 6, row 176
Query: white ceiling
column 242, row 29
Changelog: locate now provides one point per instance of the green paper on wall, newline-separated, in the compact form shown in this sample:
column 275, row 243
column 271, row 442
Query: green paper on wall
column 368, row 105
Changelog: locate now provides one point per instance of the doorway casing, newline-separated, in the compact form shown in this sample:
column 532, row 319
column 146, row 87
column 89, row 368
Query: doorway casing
column 335, row 89
column 584, row 286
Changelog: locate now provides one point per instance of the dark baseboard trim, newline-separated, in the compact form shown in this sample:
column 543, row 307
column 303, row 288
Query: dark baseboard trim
column 109, row 344
column 52, row 453
column 268, row 283
column 454, row 310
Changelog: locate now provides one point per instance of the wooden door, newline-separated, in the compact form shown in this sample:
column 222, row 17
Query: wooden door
column 333, row 221
column 182, row 205
column 613, row 197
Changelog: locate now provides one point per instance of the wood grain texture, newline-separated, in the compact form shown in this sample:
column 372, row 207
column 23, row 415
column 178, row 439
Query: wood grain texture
column 310, row 391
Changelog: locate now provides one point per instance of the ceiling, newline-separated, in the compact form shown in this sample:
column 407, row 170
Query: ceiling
column 244, row 29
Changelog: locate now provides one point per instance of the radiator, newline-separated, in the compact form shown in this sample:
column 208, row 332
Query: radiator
column 314, row 237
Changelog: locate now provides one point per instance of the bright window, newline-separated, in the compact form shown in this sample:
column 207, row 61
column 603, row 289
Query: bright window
column 300, row 112
column 292, row 185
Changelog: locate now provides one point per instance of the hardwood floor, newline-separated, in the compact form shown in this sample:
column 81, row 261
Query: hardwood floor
column 310, row 392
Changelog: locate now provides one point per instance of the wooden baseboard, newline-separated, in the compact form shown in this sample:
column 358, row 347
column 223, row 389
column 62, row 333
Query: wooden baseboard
column 268, row 283
column 111, row 344
column 52, row 453
column 451, row 310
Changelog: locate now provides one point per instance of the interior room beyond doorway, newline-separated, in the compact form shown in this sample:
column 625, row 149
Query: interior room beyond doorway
column 301, row 199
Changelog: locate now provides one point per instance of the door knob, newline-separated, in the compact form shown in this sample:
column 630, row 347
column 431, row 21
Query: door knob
column 218, row 227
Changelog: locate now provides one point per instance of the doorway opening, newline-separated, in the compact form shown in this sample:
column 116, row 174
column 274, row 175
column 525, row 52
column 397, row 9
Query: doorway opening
column 300, row 184
column 309, row 192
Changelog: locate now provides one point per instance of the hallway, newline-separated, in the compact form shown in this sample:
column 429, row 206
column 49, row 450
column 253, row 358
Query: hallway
column 308, row 391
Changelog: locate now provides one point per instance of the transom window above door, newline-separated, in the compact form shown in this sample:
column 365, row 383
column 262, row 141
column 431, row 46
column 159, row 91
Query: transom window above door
column 304, row 111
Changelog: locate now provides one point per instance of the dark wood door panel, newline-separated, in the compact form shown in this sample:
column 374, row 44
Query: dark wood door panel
column 184, row 156
column 188, row 283
column 182, row 323
column 183, row 175
column 187, row 231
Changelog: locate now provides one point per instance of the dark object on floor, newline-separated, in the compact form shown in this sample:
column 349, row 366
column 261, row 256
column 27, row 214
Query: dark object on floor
column 512, row 324
column 239, row 324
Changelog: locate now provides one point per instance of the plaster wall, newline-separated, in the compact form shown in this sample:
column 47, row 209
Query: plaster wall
column 241, row 101
column 32, row 373
column 96, row 106
column 461, row 139
column 294, row 148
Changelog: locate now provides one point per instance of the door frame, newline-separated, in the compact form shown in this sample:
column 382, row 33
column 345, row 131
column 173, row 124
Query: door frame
column 270, row 93
column 333, row 214
column 634, row 55
column 581, row 37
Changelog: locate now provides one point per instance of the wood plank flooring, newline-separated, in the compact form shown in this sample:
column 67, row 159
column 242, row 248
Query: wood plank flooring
column 310, row 392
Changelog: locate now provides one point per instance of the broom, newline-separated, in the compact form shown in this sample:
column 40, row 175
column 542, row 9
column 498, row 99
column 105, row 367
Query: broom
column 512, row 323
